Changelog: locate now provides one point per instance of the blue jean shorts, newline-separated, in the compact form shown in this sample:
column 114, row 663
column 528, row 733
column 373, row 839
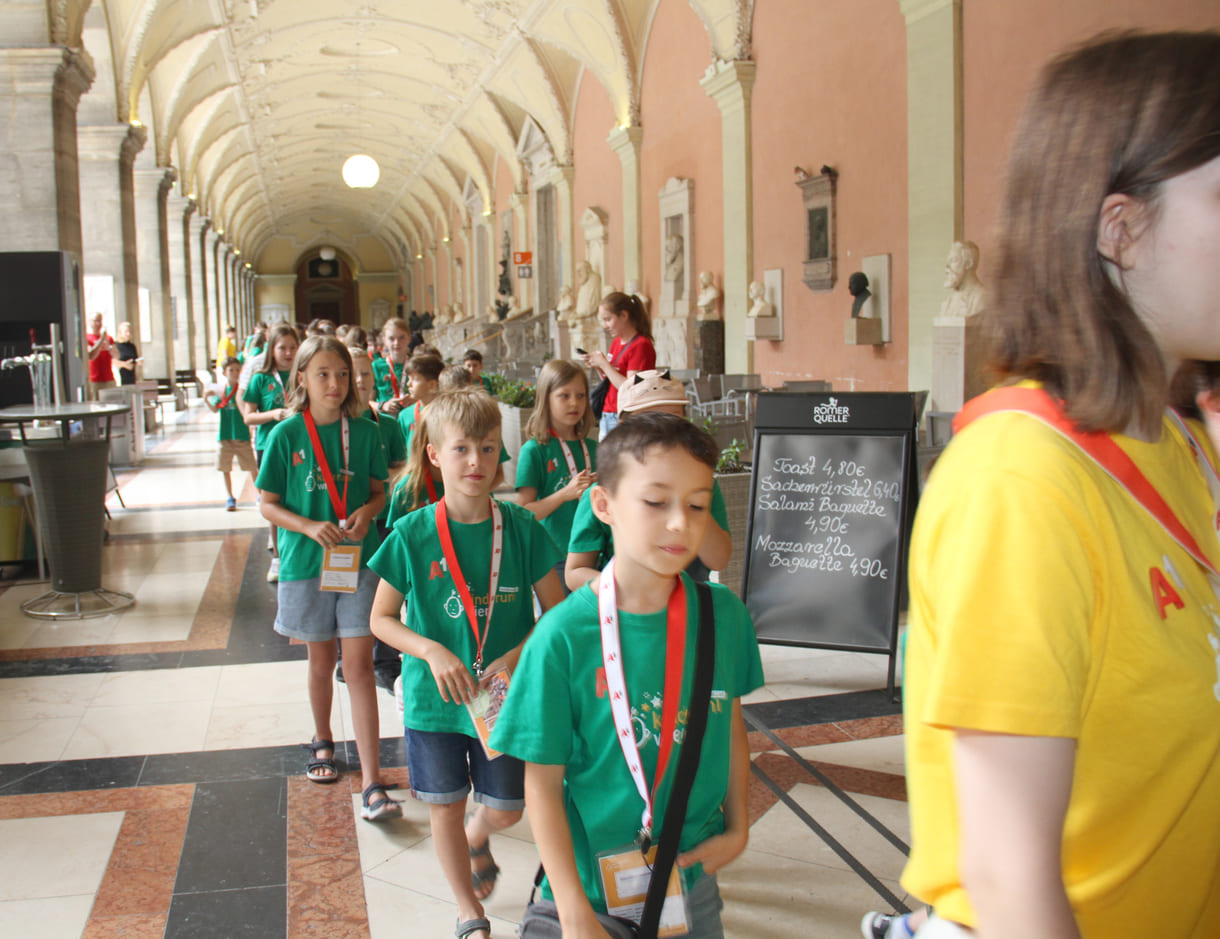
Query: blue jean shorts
column 313, row 615
column 445, row 766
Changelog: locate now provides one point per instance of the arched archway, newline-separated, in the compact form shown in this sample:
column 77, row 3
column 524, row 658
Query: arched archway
column 326, row 289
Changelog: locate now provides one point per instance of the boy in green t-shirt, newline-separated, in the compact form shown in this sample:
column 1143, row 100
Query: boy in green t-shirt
column 456, row 563
column 234, row 434
column 472, row 361
column 654, row 490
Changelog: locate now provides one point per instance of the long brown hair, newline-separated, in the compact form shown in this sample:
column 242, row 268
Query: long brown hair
column 298, row 399
column 555, row 374
column 619, row 303
column 278, row 332
column 1120, row 114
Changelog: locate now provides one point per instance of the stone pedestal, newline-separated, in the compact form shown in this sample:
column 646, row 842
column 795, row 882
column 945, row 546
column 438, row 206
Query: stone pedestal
column 562, row 341
column 674, row 337
column 957, row 356
column 862, row 331
column 763, row 327
column 709, row 347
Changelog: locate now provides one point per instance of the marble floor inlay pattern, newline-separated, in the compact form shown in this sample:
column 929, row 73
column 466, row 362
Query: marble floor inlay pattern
column 151, row 777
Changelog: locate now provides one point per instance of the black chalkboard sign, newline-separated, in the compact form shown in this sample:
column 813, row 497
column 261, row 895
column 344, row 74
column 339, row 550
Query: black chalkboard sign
column 831, row 499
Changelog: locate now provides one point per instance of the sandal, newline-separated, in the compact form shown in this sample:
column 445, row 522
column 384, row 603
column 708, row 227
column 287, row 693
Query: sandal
column 472, row 926
column 383, row 808
column 321, row 769
column 484, row 876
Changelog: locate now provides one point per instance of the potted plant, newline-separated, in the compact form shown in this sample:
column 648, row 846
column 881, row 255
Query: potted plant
column 734, row 478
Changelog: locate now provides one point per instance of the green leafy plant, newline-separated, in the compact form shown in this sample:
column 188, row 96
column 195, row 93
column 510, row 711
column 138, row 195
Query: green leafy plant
column 518, row 394
column 730, row 458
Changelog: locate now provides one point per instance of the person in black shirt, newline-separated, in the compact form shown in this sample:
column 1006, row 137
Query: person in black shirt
column 126, row 355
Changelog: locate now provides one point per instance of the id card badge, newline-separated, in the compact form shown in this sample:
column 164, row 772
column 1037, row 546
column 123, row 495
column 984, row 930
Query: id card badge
column 340, row 568
column 485, row 708
column 625, row 877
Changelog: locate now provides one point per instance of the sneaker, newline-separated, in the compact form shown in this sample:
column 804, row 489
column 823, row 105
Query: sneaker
column 273, row 573
column 231, row 505
column 884, row 926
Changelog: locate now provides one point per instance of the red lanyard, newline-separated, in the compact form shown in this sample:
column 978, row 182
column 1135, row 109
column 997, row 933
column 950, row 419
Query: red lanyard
column 430, row 485
column 568, row 456
column 616, row 685
column 340, row 506
column 1100, row 446
column 224, row 402
column 459, row 581
column 395, row 382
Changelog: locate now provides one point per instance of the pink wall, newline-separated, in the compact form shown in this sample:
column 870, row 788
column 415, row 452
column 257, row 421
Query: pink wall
column 599, row 179
column 821, row 100
column 1005, row 45
column 681, row 138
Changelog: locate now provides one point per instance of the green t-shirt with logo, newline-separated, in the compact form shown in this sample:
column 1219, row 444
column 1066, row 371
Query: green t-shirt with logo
column 557, row 713
column 400, row 501
column 392, row 446
column 412, row 562
column 291, row 470
column 543, row 468
column 266, row 393
column 381, row 376
column 590, row 533
column 232, row 424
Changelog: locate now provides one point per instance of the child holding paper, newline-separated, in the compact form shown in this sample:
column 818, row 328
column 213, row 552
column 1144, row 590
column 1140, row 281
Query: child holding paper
column 322, row 484
column 458, row 562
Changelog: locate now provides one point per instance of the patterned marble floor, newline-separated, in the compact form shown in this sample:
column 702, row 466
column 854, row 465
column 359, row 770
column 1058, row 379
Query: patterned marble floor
column 151, row 775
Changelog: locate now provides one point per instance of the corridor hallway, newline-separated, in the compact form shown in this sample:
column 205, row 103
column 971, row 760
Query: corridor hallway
column 152, row 776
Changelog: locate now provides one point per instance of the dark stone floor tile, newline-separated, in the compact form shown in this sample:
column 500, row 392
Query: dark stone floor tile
column 87, row 664
column 70, row 775
column 165, row 769
column 256, row 912
column 236, row 837
column 824, row 709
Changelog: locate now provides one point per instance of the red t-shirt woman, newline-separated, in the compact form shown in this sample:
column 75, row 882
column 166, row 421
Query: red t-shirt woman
column 631, row 350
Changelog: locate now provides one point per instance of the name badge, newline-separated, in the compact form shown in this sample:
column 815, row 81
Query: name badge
column 485, row 708
column 340, row 568
column 625, row 877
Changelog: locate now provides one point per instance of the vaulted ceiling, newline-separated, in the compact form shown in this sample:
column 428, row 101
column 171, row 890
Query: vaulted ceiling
column 257, row 103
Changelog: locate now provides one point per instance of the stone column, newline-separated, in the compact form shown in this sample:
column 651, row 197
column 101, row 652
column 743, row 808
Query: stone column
column 200, row 334
column 519, row 203
column 178, row 210
column 40, row 89
column 934, row 168
column 220, row 312
column 562, row 178
column 625, row 141
column 155, row 344
column 107, row 216
column 730, row 84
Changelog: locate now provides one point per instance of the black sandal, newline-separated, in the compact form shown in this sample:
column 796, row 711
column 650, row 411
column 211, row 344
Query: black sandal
column 383, row 808
column 321, row 770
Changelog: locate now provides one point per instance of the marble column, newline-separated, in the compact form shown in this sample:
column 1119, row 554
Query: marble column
column 177, row 214
column 519, row 203
column 108, row 214
column 152, row 185
column 200, row 334
column 934, row 169
column 562, row 178
column 40, row 89
column 216, row 281
column 625, row 141
column 730, row 85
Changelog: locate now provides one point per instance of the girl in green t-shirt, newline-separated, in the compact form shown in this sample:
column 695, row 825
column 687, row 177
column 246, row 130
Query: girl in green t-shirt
column 556, row 463
column 264, row 405
column 322, row 482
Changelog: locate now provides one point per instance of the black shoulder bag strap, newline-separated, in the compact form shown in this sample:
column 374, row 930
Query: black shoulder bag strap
column 688, row 763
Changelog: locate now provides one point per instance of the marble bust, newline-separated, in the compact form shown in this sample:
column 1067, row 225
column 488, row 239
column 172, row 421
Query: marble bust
column 966, row 294
column 589, row 296
column 567, row 304
column 675, row 264
column 759, row 307
column 709, row 293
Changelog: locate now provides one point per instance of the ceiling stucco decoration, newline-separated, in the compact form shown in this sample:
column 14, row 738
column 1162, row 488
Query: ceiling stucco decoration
column 257, row 103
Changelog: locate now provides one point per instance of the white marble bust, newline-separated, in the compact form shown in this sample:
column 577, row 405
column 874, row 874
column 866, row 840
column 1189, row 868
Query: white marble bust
column 675, row 263
column 709, row 294
column 589, row 298
column 567, row 304
column 759, row 307
column 966, row 293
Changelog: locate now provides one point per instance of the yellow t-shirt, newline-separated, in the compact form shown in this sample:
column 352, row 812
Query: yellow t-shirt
column 225, row 349
column 1045, row 601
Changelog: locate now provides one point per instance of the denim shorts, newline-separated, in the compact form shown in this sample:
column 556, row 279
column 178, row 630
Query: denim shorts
column 444, row 766
column 606, row 424
column 314, row 615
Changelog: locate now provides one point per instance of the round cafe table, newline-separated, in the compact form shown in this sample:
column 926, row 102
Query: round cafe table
column 69, row 478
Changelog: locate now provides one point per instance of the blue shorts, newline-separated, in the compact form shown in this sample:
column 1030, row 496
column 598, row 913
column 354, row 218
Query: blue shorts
column 607, row 423
column 314, row 615
column 444, row 766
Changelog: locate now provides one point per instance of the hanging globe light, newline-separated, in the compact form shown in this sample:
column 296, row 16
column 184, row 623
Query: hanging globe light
column 361, row 171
